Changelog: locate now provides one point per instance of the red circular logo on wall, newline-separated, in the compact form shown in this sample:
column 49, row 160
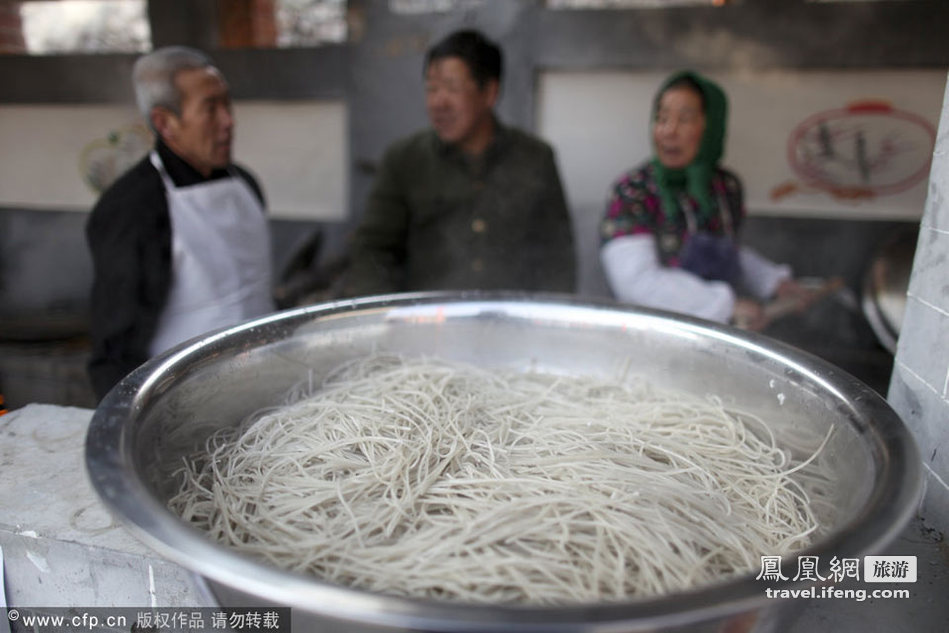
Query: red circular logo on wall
column 865, row 149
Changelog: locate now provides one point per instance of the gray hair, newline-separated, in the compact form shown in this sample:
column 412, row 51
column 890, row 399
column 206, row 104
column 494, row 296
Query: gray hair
column 153, row 77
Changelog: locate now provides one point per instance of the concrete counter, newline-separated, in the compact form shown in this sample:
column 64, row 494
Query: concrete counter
column 61, row 546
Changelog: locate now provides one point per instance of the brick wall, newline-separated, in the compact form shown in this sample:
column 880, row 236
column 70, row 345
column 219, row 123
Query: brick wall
column 919, row 389
column 11, row 29
column 247, row 23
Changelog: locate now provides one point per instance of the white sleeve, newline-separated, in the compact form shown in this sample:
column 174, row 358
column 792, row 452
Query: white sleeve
column 759, row 275
column 635, row 276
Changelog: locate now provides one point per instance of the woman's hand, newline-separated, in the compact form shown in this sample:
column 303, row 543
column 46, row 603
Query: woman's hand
column 795, row 296
column 749, row 315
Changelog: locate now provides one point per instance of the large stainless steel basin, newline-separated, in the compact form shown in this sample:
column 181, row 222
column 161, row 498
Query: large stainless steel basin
column 169, row 406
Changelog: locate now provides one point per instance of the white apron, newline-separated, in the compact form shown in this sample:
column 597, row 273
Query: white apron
column 221, row 270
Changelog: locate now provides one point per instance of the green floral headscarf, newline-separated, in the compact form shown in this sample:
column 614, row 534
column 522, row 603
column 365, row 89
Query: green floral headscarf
column 696, row 177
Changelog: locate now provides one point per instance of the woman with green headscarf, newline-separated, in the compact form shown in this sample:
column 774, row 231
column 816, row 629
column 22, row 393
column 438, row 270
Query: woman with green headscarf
column 670, row 230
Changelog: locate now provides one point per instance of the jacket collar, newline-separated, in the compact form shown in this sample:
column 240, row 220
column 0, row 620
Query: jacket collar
column 498, row 142
column 180, row 172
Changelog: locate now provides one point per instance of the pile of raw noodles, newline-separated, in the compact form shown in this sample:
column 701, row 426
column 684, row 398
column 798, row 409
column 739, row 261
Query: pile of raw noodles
column 439, row 480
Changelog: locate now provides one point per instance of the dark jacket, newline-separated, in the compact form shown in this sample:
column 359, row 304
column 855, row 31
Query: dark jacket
column 438, row 220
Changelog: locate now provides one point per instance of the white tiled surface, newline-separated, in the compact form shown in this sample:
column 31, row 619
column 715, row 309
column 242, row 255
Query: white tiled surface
column 919, row 390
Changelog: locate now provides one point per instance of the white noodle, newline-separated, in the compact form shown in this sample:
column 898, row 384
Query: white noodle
column 439, row 480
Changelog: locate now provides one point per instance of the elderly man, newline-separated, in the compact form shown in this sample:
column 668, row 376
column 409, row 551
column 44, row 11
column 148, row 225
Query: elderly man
column 468, row 203
column 180, row 243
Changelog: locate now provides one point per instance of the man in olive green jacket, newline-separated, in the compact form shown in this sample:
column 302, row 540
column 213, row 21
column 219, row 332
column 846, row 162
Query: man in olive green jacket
column 468, row 203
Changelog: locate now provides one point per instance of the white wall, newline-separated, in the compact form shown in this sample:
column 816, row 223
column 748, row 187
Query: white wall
column 297, row 149
column 599, row 124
